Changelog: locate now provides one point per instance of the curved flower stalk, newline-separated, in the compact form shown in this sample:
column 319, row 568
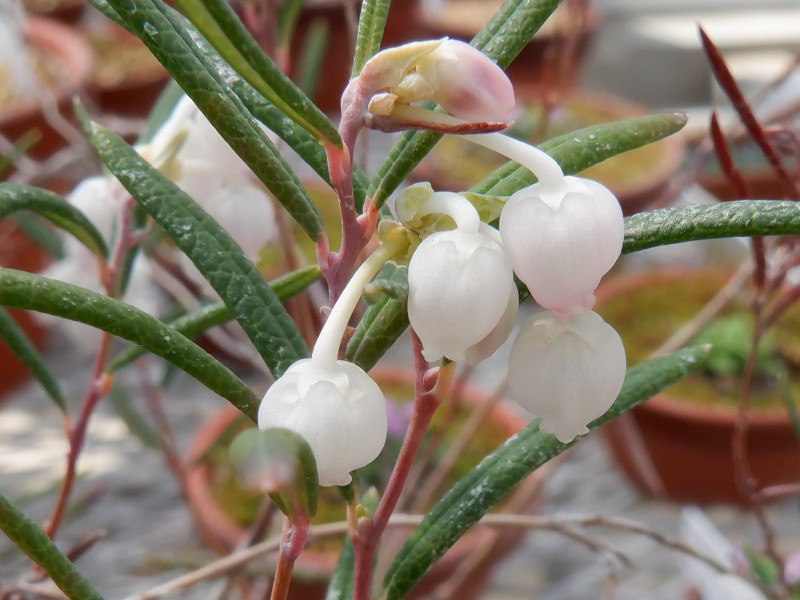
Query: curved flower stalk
column 333, row 404
column 567, row 372
column 462, row 300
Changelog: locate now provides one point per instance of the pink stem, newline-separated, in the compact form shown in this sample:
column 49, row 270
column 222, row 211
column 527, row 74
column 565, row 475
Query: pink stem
column 295, row 533
column 366, row 542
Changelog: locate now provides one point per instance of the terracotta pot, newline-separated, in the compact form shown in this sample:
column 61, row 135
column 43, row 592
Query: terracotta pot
column 17, row 251
column 679, row 448
column 221, row 533
column 126, row 79
column 73, row 60
column 636, row 177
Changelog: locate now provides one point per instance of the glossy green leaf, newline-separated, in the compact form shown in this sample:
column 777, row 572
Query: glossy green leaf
column 34, row 292
column 710, row 221
column 20, row 344
column 278, row 462
column 218, row 313
column 371, row 23
column 30, row 538
column 502, row 38
column 585, row 147
column 383, row 321
column 16, row 197
column 217, row 21
column 162, row 30
column 496, row 475
column 212, row 250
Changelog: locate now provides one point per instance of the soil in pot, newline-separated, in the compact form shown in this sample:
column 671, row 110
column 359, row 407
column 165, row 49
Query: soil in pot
column 62, row 61
column 685, row 433
column 636, row 177
column 226, row 509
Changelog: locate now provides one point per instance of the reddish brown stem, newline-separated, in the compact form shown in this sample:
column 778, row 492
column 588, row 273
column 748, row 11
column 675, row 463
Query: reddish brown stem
column 366, row 542
column 295, row 533
column 728, row 83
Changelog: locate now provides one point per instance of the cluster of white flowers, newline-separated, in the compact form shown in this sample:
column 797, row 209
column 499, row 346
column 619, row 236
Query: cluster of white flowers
column 189, row 151
column 559, row 236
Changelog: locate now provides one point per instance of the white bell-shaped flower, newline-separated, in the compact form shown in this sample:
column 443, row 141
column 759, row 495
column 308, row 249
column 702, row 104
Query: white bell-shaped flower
column 458, row 290
column 497, row 336
column 561, row 239
column 336, row 407
column 566, row 372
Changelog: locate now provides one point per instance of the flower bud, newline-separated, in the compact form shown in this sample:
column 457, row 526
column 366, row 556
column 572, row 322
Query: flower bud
column 467, row 83
column 561, row 239
column 458, row 290
column 336, row 407
column 566, row 372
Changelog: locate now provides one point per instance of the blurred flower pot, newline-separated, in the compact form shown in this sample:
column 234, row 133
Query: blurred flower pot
column 679, row 443
column 126, row 78
column 66, row 11
column 636, row 177
column 18, row 251
column 222, row 532
column 62, row 60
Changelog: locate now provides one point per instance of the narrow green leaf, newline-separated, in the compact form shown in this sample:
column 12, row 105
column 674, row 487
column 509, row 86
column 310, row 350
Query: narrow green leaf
column 383, row 321
column 218, row 313
column 710, row 221
column 217, row 21
column 34, row 292
column 288, row 15
column 30, row 538
column 21, row 345
column 312, row 55
column 502, row 38
column 162, row 30
column 40, row 233
column 212, row 250
column 371, row 23
column 162, row 109
column 495, row 476
column 278, row 462
column 16, row 197
column 585, row 147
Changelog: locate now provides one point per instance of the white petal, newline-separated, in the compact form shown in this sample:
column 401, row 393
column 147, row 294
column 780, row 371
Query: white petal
column 458, row 285
column 561, row 241
column 497, row 336
column 340, row 411
column 567, row 372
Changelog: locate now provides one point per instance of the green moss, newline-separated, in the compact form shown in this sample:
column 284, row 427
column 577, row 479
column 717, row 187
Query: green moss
column 648, row 315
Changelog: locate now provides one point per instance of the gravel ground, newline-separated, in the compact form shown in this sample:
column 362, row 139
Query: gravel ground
column 125, row 490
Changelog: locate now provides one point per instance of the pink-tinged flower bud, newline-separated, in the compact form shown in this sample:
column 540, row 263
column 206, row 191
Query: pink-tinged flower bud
column 458, row 290
column 467, row 83
column 336, row 407
column 566, row 372
column 561, row 239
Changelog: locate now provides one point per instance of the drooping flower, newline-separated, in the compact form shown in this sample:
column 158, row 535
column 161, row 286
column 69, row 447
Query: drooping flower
column 337, row 408
column 460, row 283
column 561, row 239
column 567, row 372
column 333, row 404
column 458, row 290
